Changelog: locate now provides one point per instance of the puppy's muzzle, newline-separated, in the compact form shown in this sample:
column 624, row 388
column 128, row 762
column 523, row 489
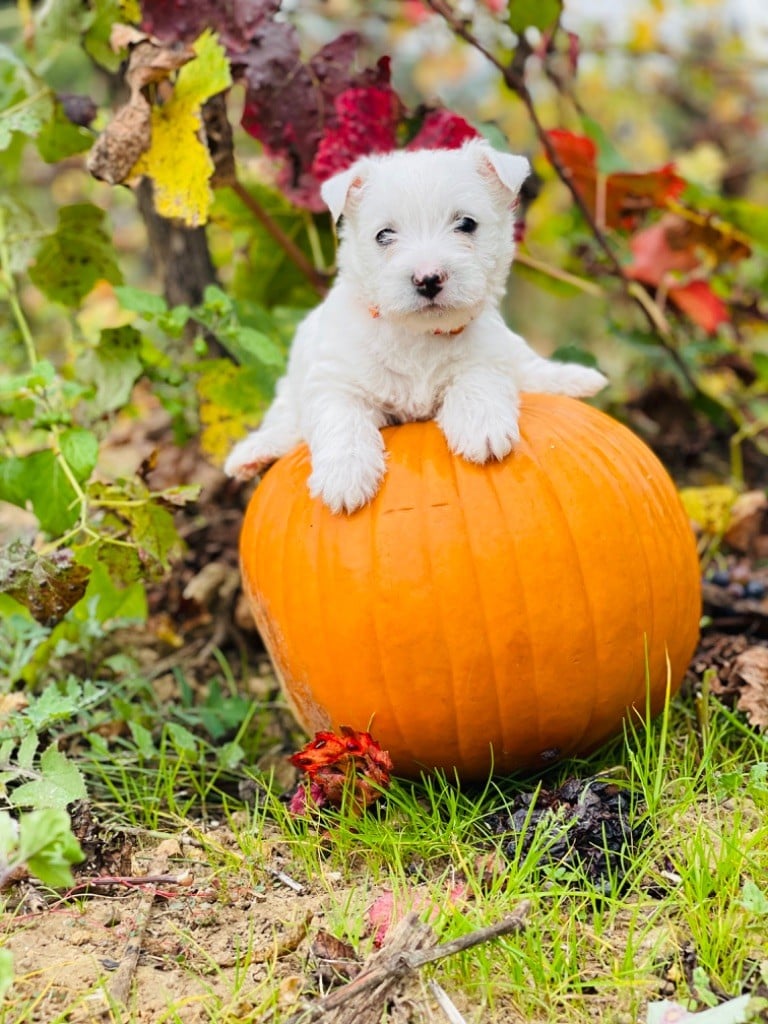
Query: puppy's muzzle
column 429, row 285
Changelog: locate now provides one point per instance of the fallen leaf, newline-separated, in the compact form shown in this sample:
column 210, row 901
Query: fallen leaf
column 710, row 508
column 350, row 766
column 750, row 672
column 335, row 961
column 747, row 520
column 666, row 1012
column 386, row 910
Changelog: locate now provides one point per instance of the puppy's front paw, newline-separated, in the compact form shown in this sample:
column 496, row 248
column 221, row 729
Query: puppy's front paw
column 480, row 435
column 579, row 381
column 348, row 482
column 249, row 457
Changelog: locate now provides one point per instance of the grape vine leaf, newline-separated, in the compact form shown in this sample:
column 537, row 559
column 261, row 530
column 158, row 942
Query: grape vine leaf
column 76, row 256
column 619, row 199
column 38, row 480
column 112, row 366
column 232, row 400
column 60, row 783
column 60, row 138
column 540, row 14
column 663, row 259
column 47, row 845
column 25, row 102
column 177, row 161
column 47, row 585
column 128, row 135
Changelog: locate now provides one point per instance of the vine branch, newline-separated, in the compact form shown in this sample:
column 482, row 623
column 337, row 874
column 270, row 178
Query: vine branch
column 317, row 278
column 513, row 75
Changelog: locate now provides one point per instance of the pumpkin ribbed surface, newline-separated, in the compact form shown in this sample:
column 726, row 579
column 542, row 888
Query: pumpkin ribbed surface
column 480, row 616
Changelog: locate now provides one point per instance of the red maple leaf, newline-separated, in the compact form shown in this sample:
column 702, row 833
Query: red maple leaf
column 661, row 259
column 617, row 200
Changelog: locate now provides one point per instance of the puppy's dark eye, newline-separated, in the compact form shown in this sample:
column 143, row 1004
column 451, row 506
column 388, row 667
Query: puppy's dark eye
column 386, row 236
column 467, row 225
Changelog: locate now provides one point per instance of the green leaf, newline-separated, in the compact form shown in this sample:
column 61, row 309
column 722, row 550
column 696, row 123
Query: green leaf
column 81, row 450
column 62, row 783
column 609, row 159
column 263, row 273
column 60, row 138
column 142, row 737
column 138, row 301
column 38, row 480
column 96, row 41
column 184, row 742
column 574, row 354
column 76, row 256
column 154, row 531
column 48, row 847
column 754, row 899
column 251, row 347
column 21, row 229
column 25, row 101
column 112, row 367
column 540, row 14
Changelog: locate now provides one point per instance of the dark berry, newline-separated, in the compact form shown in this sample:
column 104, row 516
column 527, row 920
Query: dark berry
column 721, row 578
column 755, row 589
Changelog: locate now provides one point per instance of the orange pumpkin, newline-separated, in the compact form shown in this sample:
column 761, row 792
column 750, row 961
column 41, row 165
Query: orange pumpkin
column 480, row 617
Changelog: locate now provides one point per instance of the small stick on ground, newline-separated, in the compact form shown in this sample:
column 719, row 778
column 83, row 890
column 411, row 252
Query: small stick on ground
column 445, row 1003
column 120, row 984
column 410, row 946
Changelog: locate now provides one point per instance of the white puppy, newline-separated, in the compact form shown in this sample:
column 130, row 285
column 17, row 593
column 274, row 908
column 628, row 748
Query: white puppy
column 411, row 330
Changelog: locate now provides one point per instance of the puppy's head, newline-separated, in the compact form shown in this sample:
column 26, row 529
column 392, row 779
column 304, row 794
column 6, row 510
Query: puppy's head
column 428, row 236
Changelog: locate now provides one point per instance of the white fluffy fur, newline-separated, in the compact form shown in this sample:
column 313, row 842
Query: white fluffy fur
column 379, row 351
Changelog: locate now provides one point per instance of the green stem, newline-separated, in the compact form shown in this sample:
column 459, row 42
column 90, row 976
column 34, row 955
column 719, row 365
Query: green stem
column 13, row 299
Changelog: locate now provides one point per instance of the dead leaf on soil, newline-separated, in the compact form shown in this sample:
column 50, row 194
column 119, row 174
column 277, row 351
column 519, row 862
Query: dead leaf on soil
column 747, row 520
column 750, row 672
column 335, row 960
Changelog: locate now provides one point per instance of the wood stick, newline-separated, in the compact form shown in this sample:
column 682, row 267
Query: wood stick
column 386, row 967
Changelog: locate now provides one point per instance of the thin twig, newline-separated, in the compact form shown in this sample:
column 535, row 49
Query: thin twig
column 130, row 881
column 445, row 1003
column 513, row 75
column 317, row 278
column 286, row 880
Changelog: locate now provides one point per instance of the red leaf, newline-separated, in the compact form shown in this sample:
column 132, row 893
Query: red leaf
column 442, row 129
column 386, row 911
column 335, row 763
column 617, row 200
column 659, row 256
column 366, row 122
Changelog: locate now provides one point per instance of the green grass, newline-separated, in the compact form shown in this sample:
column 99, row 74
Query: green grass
column 688, row 917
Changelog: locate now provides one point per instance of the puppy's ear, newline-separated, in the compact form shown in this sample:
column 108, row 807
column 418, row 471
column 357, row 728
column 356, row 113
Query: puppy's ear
column 337, row 191
column 510, row 170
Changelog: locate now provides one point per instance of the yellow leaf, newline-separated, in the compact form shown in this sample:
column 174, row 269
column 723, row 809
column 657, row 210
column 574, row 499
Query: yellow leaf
column 710, row 507
column 178, row 160
column 232, row 402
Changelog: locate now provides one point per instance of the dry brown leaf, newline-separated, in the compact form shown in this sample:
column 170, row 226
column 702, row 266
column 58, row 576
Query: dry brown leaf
column 747, row 519
column 751, row 669
column 129, row 134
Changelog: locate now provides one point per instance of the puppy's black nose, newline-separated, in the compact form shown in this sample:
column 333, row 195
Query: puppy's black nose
column 429, row 285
